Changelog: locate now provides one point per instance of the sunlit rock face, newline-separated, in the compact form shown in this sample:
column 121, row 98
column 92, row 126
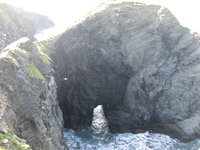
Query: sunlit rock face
column 28, row 104
column 15, row 23
column 139, row 63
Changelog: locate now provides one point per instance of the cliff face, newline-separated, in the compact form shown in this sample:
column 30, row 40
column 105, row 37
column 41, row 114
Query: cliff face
column 15, row 23
column 135, row 60
column 28, row 96
column 139, row 63
column 29, row 105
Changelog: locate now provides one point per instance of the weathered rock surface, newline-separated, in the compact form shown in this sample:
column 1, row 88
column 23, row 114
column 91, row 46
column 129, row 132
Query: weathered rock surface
column 15, row 23
column 139, row 63
column 28, row 97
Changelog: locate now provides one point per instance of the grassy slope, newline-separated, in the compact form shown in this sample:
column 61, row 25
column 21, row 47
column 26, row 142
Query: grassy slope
column 15, row 17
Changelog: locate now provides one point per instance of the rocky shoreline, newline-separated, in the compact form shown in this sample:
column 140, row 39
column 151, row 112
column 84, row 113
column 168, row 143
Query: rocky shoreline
column 135, row 60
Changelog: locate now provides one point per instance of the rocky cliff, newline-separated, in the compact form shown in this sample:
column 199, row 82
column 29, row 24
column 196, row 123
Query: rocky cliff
column 139, row 63
column 29, row 111
column 134, row 59
column 15, row 23
column 29, row 106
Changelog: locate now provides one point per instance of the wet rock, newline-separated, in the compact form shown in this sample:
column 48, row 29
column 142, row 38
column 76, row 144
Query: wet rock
column 138, row 62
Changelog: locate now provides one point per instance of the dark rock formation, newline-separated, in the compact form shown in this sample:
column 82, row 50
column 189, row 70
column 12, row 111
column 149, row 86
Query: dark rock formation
column 28, row 97
column 15, row 23
column 135, row 60
column 139, row 63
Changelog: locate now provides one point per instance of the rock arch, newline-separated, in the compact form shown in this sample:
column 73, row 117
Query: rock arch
column 137, row 61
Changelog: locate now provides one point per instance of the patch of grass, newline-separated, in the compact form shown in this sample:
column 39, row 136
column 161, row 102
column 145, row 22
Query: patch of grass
column 33, row 72
column 17, row 52
column 13, row 142
column 17, row 17
column 47, row 44
column 42, row 113
column 34, row 86
column 42, row 50
column 41, row 47
column 23, row 52
column 26, row 81
column 45, row 58
column 2, row 148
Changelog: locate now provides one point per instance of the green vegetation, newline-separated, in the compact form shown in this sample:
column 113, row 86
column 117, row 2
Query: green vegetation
column 47, row 44
column 2, row 148
column 16, row 17
column 16, row 49
column 34, row 86
column 42, row 113
column 41, row 47
column 34, row 72
column 18, row 52
column 43, row 50
column 13, row 142
column 26, row 81
column 45, row 58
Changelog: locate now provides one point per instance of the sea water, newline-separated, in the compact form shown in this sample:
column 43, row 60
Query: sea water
column 98, row 137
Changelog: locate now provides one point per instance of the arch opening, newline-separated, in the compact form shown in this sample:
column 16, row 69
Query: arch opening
column 99, row 121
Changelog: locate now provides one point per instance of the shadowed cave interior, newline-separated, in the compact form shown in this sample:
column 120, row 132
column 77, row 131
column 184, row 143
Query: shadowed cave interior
column 80, row 90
